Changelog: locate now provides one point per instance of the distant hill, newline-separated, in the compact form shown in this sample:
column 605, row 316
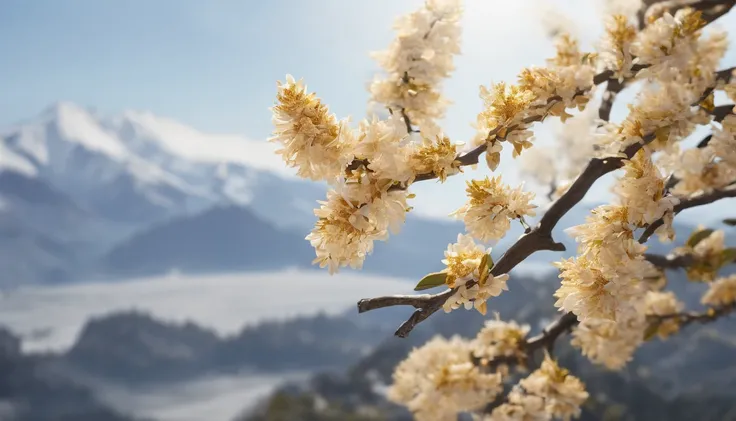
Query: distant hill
column 219, row 239
column 29, row 391
column 134, row 348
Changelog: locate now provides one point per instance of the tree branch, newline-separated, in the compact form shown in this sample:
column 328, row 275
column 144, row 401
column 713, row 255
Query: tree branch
column 669, row 261
column 551, row 332
column 613, row 87
column 692, row 202
column 538, row 239
column 686, row 318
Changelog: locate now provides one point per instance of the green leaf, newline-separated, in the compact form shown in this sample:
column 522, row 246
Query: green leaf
column 730, row 222
column 728, row 255
column 432, row 280
column 698, row 236
column 651, row 330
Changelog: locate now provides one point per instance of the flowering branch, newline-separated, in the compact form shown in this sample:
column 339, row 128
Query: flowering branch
column 686, row 318
column 538, row 239
column 692, row 202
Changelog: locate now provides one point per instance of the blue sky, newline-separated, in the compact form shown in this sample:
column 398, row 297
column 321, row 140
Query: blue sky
column 213, row 64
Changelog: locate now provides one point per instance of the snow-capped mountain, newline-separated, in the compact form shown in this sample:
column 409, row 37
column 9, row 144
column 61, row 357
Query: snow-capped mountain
column 76, row 182
column 136, row 168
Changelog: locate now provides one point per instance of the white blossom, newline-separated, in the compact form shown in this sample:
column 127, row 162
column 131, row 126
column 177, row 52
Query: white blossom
column 500, row 339
column 664, row 303
column 491, row 206
column 721, row 292
column 312, row 140
column 417, row 60
column 439, row 380
column 610, row 343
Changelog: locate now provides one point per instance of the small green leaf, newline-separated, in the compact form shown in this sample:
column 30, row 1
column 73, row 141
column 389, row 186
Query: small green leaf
column 730, row 222
column 651, row 331
column 432, row 280
column 698, row 236
column 728, row 256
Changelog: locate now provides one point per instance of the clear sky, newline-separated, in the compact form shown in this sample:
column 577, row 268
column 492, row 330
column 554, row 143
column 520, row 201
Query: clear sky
column 213, row 64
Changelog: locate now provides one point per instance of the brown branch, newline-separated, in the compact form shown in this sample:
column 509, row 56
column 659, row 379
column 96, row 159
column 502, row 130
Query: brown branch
column 613, row 87
column 703, row 143
column 551, row 332
column 540, row 238
column 720, row 112
column 692, row 202
column 669, row 261
column 407, row 121
column 686, row 318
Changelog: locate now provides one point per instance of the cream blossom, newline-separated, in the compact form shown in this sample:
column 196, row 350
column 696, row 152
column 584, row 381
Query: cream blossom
column 663, row 304
column 491, row 206
column 499, row 339
column 464, row 263
column 721, row 292
column 439, row 380
column 311, row 139
column 707, row 255
column 417, row 60
column 345, row 232
column 549, row 392
column 591, row 293
column 698, row 170
column 463, row 260
column 615, row 47
column 435, row 156
column 610, row 343
column 510, row 110
column 668, row 43
column 379, row 142
column 641, row 191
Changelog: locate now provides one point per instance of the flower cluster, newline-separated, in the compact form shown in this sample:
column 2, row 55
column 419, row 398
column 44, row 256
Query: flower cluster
column 491, row 207
column 603, row 286
column 641, row 191
column 416, row 62
column 467, row 261
column 615, row 47
column 439, row 380
column 510, row 110
column 498, row 342
column 603, row 282
column 721, row 292
column 663, row 304
column 312, row 140
column 709, row 255
column 369, row 168
column 549, row 392
column 702, row 170
column 610, row 343
column 668, row 44
column 662, row 115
